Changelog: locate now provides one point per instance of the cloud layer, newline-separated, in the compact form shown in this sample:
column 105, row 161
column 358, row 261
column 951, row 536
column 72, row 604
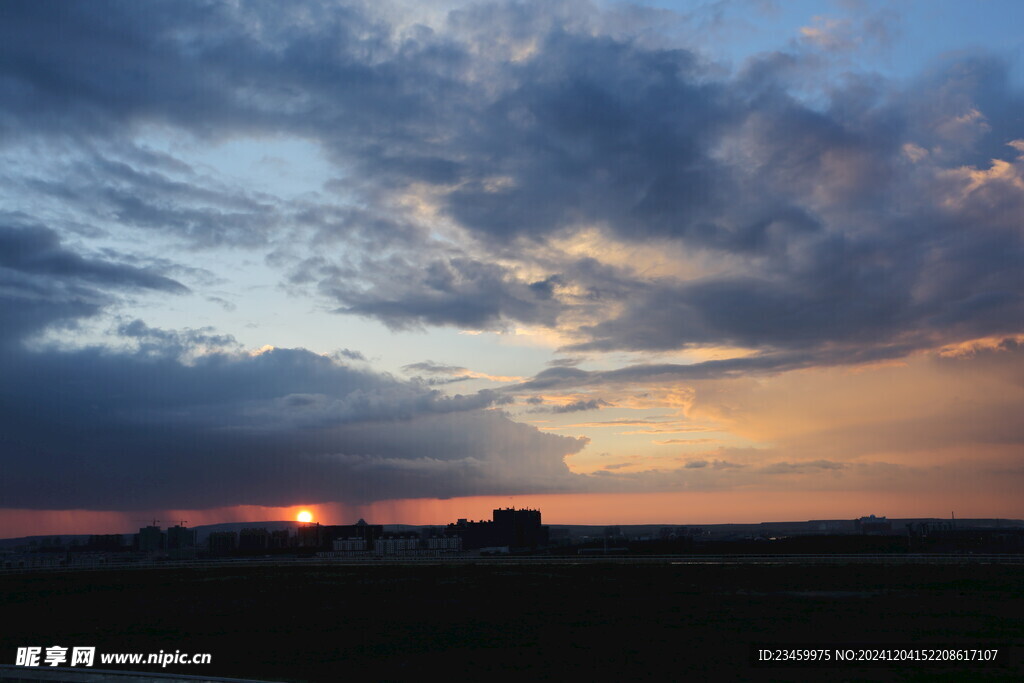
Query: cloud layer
column 869, row 214
column 542, row 165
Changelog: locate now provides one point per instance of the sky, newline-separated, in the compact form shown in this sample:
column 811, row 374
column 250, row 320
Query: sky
column 701, row 262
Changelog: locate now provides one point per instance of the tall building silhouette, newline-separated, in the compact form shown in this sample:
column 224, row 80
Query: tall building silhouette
column 508, row 527
column 150, row 539
column 179, row 537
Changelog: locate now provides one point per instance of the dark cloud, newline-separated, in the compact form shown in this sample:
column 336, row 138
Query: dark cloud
column 44, row 283
column 594, row 129
column 137, row 188
column 448, row 374
column 223, row 303
column 94, row 429
column 576, row 406
column 553, row 378
column 351, row 354
column 463, row 292
column 565, row 362
column 672, row 442
column 432, row 368
column 175, row 343
column 702, row 464
column 37, row 251
column 801, row 467
column 769, row 363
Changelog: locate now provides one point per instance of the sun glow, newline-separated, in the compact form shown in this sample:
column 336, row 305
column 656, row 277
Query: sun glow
column 305, row 516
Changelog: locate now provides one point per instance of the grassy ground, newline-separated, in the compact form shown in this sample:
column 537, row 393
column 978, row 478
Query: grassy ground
column 602, row 622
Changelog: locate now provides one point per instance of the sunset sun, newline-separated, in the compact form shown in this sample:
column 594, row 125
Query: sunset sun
column 305, row 516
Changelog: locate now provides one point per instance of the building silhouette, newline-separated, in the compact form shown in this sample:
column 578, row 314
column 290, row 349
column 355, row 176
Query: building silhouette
column 322, row 537
column 873, row 525
column 279, row 539
column 253, row 540
column 222, row 542
column 180, row 538
column 397, row 544
column 105, row 543
column 508, row 528
column 150, row 539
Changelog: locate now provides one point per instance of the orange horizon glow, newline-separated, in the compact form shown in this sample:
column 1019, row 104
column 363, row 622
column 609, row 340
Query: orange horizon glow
column 671, row 508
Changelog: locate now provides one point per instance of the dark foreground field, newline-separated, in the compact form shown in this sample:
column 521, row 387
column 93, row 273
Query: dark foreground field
column 594, row 622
